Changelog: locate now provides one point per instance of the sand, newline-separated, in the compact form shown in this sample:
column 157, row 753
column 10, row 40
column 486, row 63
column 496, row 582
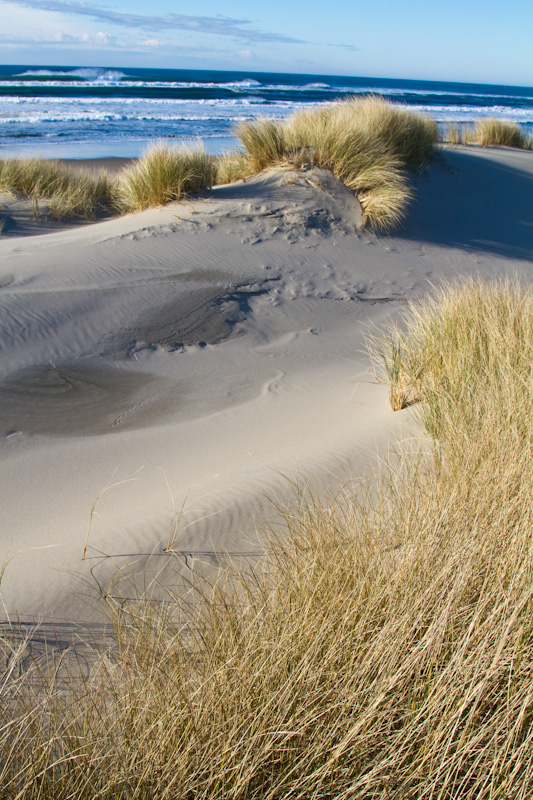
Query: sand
column 169, row 375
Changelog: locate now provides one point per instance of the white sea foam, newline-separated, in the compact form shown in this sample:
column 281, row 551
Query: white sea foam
column 86, row 73
column 60, row 108
column 35, row 120
column 98, row 77
column 460, row 113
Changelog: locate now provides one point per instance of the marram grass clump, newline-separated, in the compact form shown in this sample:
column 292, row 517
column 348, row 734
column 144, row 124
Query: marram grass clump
column 367, row 143
column 467, row 349
column 232, row 166
column 493, row 132
column 383, row 647
column 489, row 132
column 164, row 174
column 68, row 192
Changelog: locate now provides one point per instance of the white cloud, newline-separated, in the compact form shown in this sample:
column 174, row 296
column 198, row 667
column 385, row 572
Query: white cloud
column 104, row 39
column 219, row 25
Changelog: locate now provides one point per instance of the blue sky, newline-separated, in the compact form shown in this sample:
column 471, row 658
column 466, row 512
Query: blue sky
column 462, row 40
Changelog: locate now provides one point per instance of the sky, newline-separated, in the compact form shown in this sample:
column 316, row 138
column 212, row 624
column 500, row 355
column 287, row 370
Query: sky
column 480, row 41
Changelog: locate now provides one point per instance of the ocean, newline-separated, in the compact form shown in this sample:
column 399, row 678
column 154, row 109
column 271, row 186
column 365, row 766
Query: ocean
column 73, row 112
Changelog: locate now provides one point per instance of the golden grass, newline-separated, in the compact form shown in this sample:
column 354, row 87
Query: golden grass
column 454, row 135
column 488, row 132
column 410, row 136
column 164, row 174
column 493, row 132
column 232, row 166
column 383, row 648
column 367, row 143
column 264, row 141
column 68, row 192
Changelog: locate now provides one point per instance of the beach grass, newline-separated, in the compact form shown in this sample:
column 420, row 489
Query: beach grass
column 162, row 175
column 367, row 143
column 265, row 142
column 68, row 192
column 231, row 167
column 455, row 135
column 495, row 132
column 382, row 647
column 489, row 132
column 411, row 136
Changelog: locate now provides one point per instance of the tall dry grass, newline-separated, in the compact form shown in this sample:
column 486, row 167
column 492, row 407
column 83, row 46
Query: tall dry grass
column 411, row 136
column 454, row 135
column 368, row 143
column 382, row 649
column 68, row 192
column 490, row 132
column 458, row 342
column 231, row 167
column 162, row 175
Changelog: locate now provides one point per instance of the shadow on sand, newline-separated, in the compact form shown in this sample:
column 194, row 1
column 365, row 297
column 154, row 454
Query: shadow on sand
column 492, row 207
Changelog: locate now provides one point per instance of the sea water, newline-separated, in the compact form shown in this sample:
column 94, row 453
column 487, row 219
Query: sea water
column 65, row 112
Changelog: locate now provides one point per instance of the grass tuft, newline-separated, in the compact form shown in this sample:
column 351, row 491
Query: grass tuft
column 265, row 142
column 232, row 166
column 410, row 136
column 164, row 174
column 489, row 132
column 495, row 132
column 470, row 346
column 68, row 192
column 454, row 135
column 368, row 143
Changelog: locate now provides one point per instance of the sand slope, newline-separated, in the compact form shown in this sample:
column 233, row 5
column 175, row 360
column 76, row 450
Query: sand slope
column 188, row 359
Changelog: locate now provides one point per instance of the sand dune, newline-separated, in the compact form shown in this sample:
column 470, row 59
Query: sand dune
column 187, row 360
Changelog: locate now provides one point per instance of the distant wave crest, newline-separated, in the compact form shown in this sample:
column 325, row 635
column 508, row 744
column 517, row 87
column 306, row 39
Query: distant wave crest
column 84, row 73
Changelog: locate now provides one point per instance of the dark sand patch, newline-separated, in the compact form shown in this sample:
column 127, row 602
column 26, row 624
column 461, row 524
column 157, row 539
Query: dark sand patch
column 81, row 401
column 203, row 311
